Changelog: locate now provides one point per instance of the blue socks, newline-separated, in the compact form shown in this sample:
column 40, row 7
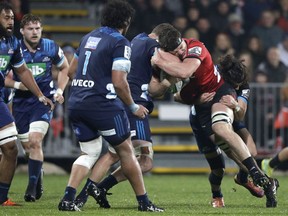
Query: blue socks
column 69, row 193
column 108, row 182
column 4, row 188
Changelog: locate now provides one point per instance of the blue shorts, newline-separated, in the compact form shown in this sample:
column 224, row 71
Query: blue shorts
column 140, row 128
column 24, row 119
column 5, row 116
column 112, row 125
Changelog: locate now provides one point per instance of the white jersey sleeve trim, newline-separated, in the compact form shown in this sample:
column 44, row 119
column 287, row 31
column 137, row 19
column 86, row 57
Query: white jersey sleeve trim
column 121, row 65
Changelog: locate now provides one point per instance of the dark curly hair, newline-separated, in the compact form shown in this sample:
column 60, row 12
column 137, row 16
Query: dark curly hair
column 169, row 38
column 4, row 5
column 117, row 14
column 233, row 70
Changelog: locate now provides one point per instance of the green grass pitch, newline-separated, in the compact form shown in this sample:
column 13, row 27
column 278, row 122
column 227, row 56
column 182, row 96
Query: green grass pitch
column 178, row 194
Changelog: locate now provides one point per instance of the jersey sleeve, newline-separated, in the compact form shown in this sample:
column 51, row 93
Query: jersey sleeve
column 196, row 49
column 152, row 44
column 122, row 50
column 58, row 57
column 17, row 58
column 244, row 92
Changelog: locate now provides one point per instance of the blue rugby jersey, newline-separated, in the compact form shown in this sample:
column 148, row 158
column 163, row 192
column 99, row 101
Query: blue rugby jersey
column 243, row 92
column 7, row 95
column 40, row 63
column 10, row 56
column 92, row 88
column 141, row 71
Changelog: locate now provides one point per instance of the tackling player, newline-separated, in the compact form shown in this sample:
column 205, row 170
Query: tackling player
column 213, row 153
column 189, row 58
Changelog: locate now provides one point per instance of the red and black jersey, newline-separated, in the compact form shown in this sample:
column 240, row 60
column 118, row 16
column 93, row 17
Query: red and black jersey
column 206, row 78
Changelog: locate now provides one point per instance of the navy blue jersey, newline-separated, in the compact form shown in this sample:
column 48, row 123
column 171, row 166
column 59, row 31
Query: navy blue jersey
column 140, row 75
column 10, row 56
column 40, row 63
column 7, row 95
column 92, row 88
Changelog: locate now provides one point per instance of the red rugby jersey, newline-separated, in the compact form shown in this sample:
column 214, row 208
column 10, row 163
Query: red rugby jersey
column 206, row 78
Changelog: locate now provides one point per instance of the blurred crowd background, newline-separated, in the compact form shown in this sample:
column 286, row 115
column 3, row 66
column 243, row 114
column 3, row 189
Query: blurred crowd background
column 255, row 31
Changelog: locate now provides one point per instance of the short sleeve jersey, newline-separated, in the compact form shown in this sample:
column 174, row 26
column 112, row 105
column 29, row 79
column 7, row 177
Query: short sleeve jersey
column 40, row 63
column 10, row 56
column 206, row 78
column 92, row 88
column 243, row 92
column 143, row 48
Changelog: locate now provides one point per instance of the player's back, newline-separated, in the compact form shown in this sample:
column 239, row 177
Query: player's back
column 92, row 86
column 141, row 71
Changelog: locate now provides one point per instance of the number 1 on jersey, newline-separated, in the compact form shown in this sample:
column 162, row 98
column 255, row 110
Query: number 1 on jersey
column 87, row 54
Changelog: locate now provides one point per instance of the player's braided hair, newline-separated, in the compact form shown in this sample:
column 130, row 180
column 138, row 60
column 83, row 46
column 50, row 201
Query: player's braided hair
column 27, row 18
column 117, row 14
column 233, row 70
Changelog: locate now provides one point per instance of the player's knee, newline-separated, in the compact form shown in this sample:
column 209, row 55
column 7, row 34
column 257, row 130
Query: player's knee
column 35, row 141
column 146, row 163
column 10, row 150
column 92, row 150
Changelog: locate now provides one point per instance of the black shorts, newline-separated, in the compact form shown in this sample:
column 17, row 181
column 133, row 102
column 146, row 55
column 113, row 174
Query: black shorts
column 203, row 111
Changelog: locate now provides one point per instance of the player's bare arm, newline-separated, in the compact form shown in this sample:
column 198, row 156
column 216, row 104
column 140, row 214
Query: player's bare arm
column 159, row 87
column 172, row 65
column 62, row 81
column 72, row 68
column 10, row 83
column 119, row 80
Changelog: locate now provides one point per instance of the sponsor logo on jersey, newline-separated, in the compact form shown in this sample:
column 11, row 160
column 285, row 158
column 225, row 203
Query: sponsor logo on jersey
column 10, row 51
column 46, row 59
column 37, row 69
column 83, row 83
column 4, row 61
column 110, row 132
column 127, row 52
column 92, row 42
column 195, row 51
column 246, row 93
